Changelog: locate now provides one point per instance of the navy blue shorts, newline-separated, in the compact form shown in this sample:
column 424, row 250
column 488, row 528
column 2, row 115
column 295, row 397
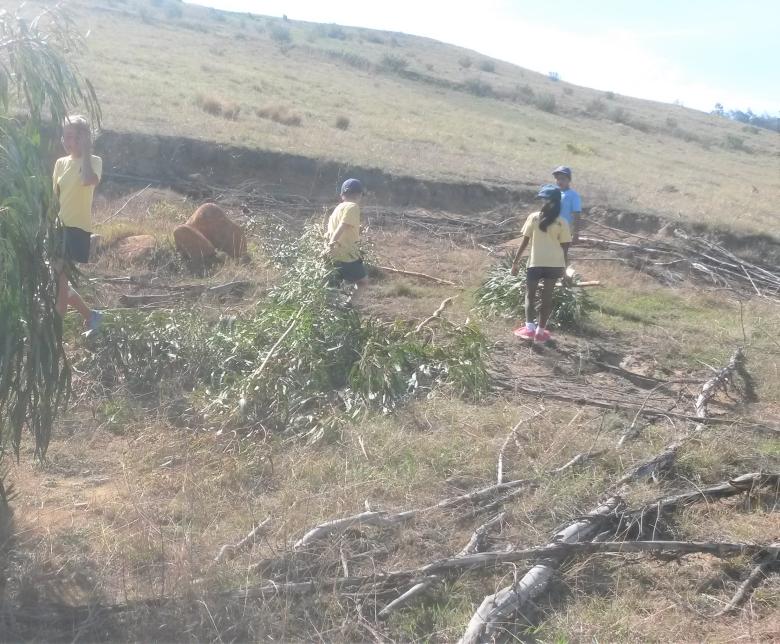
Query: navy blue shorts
column 536, row 273
column 76, row 244
column 351, row 271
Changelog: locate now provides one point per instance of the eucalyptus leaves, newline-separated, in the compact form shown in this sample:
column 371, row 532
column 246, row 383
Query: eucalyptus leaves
column 39, row 85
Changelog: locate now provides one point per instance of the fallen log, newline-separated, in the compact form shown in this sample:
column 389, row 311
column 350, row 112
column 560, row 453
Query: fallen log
column 720, row 381
column 628, row 406
column 502, row 606
column 336, row 527
column 472, row 547
column 177, row 292
column 133, row 301
column 739, row 485
column 769, row 564
column 653, row 466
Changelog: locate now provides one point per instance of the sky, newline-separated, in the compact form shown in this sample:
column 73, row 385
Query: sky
column 696, row 52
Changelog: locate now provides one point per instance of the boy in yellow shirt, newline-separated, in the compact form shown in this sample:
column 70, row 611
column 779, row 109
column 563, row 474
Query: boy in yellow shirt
column 549, row 237
column 75, row 177
column 343, row 234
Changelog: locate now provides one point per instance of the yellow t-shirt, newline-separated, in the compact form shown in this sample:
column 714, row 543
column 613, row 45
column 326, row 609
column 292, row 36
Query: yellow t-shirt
column 545, row 245
column 347, row 248
column 75, row 198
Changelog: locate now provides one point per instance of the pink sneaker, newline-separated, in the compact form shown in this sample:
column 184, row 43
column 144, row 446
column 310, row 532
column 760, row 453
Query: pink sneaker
column 542, row 335
column 524, row 332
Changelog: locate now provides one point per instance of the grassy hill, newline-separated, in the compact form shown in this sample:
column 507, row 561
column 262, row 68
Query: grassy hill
column 223, row 412
column 415, row 106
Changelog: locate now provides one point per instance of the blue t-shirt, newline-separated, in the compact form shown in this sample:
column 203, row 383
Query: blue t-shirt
column 570, row 202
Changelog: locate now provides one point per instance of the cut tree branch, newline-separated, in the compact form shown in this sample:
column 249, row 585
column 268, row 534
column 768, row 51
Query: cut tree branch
column 230, row 551
column 770, row 564
column 425, row 276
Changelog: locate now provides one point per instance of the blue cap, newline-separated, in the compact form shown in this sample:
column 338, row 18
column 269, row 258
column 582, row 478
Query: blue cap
column 563, row 169
column 352, row 186
column 549, row 191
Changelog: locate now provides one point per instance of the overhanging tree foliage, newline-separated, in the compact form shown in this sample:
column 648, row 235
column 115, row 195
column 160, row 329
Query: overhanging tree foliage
column 39, row 85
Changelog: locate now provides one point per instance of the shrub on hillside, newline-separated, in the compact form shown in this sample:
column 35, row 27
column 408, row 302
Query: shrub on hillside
column 478, row 87
column 545, row 102
column 209, row 104
column 216, row 107
column 350, row 58
column 465, row 62
column 488, row 66
column 280, row 34
column 393, row 63
column 279, row 114
column 596, row 106
column 522, row 93
column 342, row 123
column 231, row 111
column 579, row 148
column 619, row 115
column 610, row 96
column 504, row 294
column 335, row 31
column 734, row 142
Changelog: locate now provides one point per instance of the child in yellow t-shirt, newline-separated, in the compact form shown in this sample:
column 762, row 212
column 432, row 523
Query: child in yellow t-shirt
column 549, row 237
column 75, row 177
column 343, row 234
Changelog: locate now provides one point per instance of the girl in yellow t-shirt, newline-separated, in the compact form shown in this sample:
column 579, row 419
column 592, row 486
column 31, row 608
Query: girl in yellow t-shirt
column 75, row 177
column 549, row 237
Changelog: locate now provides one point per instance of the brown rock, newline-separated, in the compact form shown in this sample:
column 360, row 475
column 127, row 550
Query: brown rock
column 136, row 248
column 212, row 222
column 191, row 244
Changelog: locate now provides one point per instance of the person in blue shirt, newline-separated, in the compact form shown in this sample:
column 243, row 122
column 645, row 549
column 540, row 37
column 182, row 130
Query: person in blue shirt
column 571, row 204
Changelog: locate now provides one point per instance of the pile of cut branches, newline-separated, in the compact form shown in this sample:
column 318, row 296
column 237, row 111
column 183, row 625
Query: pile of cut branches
column 298, row 360
column 504, row 294
column 670, row 262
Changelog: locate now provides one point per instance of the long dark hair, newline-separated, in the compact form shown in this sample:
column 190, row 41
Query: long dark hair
column 549, row 213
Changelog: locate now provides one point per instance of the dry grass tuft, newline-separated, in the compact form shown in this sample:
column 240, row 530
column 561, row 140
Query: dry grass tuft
column 217, row 107
column 280, row 114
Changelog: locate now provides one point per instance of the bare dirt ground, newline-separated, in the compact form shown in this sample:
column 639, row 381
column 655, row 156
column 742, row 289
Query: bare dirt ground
column 116, row 534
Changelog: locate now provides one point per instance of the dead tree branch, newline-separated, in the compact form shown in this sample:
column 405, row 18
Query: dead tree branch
column 229, row 551
column 770, row 564
column 436, row 314
column 511, row 436
column 382, row 519
column 508, row 602
column 425, row 276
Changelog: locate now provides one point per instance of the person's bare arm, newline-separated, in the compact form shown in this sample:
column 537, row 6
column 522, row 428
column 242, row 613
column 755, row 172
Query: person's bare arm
column 519, row 254
column 88, row 175
column 565, row 247
column 575, row 226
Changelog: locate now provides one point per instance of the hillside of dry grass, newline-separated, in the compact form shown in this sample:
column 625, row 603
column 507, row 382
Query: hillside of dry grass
column 116, row 534
column 414, row 106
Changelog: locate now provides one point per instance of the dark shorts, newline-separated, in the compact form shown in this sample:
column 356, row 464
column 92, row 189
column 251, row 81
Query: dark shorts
column 536, row 273
column 351, row 271
column 76, row 244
